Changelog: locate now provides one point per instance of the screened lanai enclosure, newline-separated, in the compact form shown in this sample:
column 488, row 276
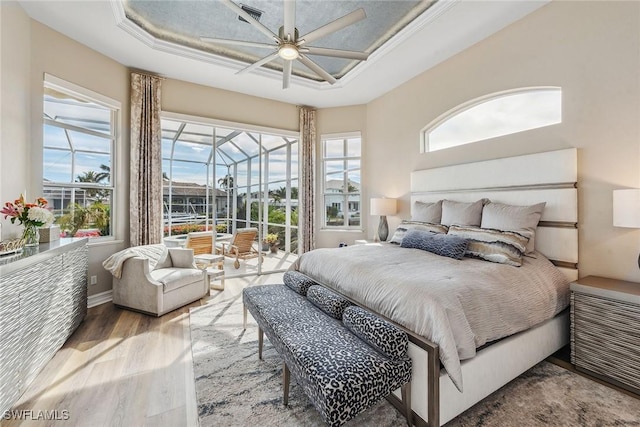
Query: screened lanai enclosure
column 228, row 178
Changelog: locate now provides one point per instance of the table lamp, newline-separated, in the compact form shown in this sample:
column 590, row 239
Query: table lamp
column 383, row 207
column 626, row 209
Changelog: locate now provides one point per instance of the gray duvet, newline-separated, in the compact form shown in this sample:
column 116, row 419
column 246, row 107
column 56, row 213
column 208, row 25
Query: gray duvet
column 458, row 305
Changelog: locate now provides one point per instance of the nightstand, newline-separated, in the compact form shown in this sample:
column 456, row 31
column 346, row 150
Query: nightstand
column 605, row 330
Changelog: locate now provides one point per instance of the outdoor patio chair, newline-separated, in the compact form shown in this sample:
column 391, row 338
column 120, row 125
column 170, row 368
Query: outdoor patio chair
column 201, row 243
column 240, row 246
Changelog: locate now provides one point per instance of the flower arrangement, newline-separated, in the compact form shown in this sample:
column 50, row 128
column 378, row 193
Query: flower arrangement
column 271, row 238
column 30, row 214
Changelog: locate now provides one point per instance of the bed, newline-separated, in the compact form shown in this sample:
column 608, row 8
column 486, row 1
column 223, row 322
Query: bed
column 478, row 357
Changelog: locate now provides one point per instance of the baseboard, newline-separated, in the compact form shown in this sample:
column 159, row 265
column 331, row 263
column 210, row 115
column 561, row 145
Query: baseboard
column 101, row 298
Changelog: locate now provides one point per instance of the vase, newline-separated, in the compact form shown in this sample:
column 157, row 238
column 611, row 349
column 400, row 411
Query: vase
column 31, row 235
column 274, row 249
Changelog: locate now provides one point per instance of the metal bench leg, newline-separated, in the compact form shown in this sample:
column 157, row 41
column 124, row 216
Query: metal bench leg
column 405, row 391
column 285, row 383
column 260, row 341
column 244, row 314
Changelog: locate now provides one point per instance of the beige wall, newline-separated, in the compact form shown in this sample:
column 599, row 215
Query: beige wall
column 591, row 50
column 58, row 55
column 15, row 134
column 337, row 120
column 192, row 99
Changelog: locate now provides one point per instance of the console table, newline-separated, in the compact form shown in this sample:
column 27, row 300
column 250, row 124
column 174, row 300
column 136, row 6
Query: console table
column 43, row 299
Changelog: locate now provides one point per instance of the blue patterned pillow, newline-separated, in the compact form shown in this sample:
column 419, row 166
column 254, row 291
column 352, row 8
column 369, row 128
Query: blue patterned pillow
column 327, row 301
column 440, row 244
column 377, row 332
column 298, row 282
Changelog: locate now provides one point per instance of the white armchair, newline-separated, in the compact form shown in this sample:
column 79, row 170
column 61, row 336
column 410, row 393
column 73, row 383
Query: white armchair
column 173, row 282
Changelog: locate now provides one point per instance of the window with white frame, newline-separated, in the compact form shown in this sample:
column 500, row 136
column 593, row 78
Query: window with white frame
column 494, row 115
column 80, row 135
column 341, row 159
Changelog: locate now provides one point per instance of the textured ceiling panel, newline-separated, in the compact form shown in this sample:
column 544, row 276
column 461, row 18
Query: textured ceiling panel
column 184, row 22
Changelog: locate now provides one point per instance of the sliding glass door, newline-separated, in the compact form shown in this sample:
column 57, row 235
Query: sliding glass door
column 229, row 178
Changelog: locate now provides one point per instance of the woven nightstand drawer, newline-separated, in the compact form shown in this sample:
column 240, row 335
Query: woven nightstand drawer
column 605, row 334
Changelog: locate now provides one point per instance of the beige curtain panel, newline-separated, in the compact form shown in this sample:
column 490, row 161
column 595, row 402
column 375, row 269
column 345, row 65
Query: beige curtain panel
column 306, row 206
column 145, row 212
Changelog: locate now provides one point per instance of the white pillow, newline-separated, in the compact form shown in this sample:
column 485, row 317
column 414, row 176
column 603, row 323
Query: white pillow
column 513, row 218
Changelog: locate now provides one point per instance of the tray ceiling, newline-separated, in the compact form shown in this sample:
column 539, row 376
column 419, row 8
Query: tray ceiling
column 405, row 38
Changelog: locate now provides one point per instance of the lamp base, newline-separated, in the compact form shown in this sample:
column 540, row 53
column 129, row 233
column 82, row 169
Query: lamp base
column 383, row 229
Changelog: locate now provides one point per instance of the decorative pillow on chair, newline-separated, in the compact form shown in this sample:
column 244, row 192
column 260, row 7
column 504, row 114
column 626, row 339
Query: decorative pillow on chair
column 427, row 212
column 462, row 213
column 504, row 247
column 440, row 244
column 415, row 225
column 521, row 219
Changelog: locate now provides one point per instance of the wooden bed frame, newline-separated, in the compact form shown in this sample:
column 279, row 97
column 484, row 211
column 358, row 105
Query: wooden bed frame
column 524, row 180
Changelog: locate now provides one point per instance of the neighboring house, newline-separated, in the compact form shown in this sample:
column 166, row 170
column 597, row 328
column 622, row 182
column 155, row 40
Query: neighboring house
column 191, row 198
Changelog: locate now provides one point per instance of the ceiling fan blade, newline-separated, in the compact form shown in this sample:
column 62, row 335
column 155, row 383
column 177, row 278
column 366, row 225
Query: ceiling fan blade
column 286, row 74
column 250, row 19
column 338, row 24
column 316, row 69
column 289, row 18
column 336, row 53
column 237, row 42
column 259, row 63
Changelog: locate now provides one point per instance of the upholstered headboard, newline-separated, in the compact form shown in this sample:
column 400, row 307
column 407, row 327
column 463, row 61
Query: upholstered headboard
column 549, row 177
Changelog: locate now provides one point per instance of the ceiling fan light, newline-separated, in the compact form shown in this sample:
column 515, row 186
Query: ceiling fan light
column 288, row 51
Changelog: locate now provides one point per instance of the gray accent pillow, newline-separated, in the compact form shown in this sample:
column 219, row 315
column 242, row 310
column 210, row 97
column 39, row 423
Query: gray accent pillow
column 405, row 226
column 427, row 212
column 440, row 244
column 462, row 213
column 522, row 219
column 504, row 247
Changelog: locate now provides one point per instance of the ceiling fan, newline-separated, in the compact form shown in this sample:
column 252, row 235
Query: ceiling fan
column 289, row 46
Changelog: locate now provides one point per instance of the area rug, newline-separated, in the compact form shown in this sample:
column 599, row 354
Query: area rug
column 234, row 388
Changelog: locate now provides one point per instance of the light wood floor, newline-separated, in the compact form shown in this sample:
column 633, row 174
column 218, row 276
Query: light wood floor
column 122, row 368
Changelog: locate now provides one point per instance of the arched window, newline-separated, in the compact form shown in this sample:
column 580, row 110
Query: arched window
column 494, row 115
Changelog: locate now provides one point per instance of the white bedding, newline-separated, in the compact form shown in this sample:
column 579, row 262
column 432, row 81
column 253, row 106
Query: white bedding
column 458, row 305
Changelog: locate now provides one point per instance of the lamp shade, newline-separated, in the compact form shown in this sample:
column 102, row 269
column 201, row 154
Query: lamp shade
column 383, row 207
column 626, row 208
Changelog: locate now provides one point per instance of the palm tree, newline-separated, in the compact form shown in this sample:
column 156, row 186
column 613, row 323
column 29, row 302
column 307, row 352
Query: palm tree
column 105, row 174
column 226, row 182
column 96, row 178
column 279, row 194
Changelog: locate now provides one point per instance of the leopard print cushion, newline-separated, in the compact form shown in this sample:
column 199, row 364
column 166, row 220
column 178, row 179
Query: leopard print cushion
column 298, row 282
column 377, row 332
column 327, row 301
column 342, row 382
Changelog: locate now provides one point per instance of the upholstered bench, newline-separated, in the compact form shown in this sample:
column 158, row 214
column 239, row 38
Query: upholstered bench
column 345, row 358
